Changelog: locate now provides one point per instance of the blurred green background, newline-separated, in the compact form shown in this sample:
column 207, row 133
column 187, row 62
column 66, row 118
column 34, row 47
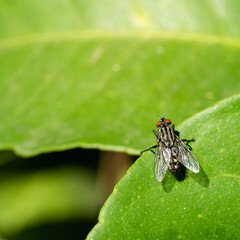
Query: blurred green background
column 98, row 75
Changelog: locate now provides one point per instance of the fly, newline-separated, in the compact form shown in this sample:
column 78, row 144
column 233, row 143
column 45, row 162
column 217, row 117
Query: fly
column 171, row 150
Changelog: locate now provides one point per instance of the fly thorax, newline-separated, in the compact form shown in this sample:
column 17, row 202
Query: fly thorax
column 167, row 136
column 168, row 144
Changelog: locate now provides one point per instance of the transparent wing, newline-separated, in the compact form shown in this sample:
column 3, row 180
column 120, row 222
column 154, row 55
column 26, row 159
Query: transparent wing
column 162, row 160
column 186, row 158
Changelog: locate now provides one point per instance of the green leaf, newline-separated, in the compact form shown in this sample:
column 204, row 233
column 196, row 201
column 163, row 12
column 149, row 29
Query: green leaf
column 84, row 73
column 32, row 198
column 203, row 206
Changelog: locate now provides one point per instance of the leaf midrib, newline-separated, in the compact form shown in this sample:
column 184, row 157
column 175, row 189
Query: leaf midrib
column 142, row 35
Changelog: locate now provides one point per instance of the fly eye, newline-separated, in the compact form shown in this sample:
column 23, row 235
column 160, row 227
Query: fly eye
column 158, row 123
column 168, row 121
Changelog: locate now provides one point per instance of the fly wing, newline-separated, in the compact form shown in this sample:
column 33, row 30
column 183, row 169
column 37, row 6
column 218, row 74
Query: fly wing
column 162, row 160
column 186, row 158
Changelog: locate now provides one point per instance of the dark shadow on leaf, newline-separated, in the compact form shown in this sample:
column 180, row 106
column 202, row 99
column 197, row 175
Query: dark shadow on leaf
column 171, row 178
column 168, row 182
column 180, row 175
column 200, row 177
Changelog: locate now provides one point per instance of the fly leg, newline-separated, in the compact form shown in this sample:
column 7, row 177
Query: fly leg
column 191, row 140
column 187, row 141
column 148, row 149
column 156, row 134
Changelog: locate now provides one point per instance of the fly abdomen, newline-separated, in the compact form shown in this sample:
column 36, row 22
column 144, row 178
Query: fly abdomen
column 174, row 165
